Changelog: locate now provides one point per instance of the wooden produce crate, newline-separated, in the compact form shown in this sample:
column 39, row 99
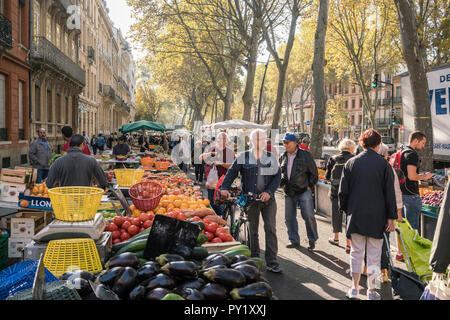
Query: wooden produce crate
column 217, row 247
column 14, row 176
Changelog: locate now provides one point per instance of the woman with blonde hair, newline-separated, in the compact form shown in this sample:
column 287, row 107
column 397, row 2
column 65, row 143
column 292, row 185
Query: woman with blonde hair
column 334, row 172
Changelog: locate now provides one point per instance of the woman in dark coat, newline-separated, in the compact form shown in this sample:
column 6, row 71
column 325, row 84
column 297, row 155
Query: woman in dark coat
column 367, row 195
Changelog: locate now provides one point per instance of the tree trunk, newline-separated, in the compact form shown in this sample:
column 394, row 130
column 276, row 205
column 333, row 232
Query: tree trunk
column 302, row 119
column 279, row 99
column 320, row 99
column 229, row 95
column 412, row 53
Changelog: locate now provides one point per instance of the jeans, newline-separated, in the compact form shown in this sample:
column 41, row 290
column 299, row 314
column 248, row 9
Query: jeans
column 217, row 208
column 412, row 207
column 307, row 210
column 268, row 212
column 199, row 171
column 41, row 175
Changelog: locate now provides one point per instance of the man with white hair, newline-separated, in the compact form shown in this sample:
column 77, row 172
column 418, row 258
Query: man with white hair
column 260, row 176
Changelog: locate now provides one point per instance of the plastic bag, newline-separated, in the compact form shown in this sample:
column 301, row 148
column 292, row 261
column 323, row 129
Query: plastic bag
column 437, row 289
column 213, row 178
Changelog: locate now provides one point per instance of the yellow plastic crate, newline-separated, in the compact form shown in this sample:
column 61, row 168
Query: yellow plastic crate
column 128, row 177
column 75, row 203
column 70, row 255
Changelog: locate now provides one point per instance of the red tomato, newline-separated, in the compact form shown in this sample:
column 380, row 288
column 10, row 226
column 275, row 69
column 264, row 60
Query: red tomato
column 147, row 224
column 115, row 234
column 211, row 227
column 136, row 222
column 225, row 237
column 151, row 217
column 113, row 227
column 181, row 216
column 141, row 229
column 144, row 217
column 173, row 215
column 133, row 230
column 197, row 218
column 209, row 235
column 125, row 236
column 116, row 241
column 127, row 219
column 216, row 240
column 118, row 221
column 222, row 230
column 126, row 225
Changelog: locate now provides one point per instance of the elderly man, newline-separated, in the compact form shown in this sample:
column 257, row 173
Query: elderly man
column 299, row 176
column 260, row 176
column 40, row 154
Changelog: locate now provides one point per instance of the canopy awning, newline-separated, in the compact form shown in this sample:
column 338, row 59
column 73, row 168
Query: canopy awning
column 143, row 124
column 238, row 124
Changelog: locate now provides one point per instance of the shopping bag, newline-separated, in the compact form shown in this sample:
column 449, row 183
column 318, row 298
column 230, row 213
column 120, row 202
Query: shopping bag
column 437, row 289
column 213, row 178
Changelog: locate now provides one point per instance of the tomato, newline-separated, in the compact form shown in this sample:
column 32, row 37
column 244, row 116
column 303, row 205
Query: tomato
column 116, row 241
column 222, row 230
column 173, row 215
column 181, row 216
column 216, row 240
column 197, row 218
column 147, row 224
column 209, row 235
column 151, row 217
column 115, row 234
column 118, row 221
column 113, row 227
column 211, row 227
column 225, row 237
column 126, row 225
column 144, row 217
column 136, row 222
column 133, row 230
column 141, row 229
column 125, row 236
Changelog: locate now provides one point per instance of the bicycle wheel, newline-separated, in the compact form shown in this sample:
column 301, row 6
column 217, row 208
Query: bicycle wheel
column 228, row 215
column 242, row 232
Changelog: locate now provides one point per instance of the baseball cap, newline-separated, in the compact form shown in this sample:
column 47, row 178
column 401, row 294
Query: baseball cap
column 290, row 137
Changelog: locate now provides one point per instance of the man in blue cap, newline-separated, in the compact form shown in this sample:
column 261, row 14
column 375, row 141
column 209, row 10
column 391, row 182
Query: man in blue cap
column 299, row 175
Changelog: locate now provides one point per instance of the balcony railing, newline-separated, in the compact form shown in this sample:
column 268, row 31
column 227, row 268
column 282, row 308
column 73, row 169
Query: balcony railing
column 5, row 32
column 123, row 83
column 398, row 100
column 91, row 53
column 387, row 102
column 44, row 52
column 383, row 121
column 109, row 92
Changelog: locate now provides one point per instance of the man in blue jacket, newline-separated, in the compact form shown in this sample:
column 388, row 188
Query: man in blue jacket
column 261, row 176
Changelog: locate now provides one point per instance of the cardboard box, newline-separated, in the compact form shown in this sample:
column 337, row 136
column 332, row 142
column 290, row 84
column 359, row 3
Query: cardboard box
column 26, row 227
column 39, row 203
column 16, row 246
column 10, row 192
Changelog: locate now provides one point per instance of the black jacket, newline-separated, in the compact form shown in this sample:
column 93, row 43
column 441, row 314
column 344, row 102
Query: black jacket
column 75, row 169
column 304, row 173
column 340, row 159
column 367, row 194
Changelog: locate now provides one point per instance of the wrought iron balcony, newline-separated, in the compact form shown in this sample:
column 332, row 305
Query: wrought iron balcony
column 123, row 83
column 387, row 102
column 5, row 32
column 43, row 52
column 397, row 100
column 91, row 53
column 109, row 92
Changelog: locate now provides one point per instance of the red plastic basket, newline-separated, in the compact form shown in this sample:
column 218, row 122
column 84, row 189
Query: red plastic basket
column 137, row 191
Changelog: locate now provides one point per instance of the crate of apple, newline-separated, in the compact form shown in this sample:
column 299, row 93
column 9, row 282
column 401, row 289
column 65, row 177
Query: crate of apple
column 433, row 199
column 123, row 228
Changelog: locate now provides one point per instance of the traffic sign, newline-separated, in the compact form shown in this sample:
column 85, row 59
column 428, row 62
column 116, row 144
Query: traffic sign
column 308, row 123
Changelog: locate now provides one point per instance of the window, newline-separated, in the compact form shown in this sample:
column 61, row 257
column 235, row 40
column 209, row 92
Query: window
column 353, row 103
column 388, row 95
column 398, row 91
column 360, row 102
column 353, row 119
column 67, row 110
column 58, row 36
column 19, row 15
column 49, row 27
column 58, row 108
column 66, row 44
column 360, row 119
column 49, row 106
column 36, row 19
column 73, row 51
column 353, row 89
column 346, row 104
column 345, row 87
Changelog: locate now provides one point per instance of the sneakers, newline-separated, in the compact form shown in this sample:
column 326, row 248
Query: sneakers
column 352, row 293
column 312, row 245
column 373, row 295
column 274, row 268
column 295, row 245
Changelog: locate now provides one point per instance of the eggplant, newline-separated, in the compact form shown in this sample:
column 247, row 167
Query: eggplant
column 212, row 256
column 227, row 277
column 214, row 291
column 165, row 258
column 218, row 260
column 125, row 283
column 251, row 273
column 81, row 285
column 254, row 291
column 146, row 272
column 126, row 259
column 248, row 262
column 196, row 284
column 161, row 280
column 183, row 269
column 138, row 293
column 157, row 294
column 78, row 274
column 193, row 294
column 152, row 264
column 108, row 277
column 239, row 258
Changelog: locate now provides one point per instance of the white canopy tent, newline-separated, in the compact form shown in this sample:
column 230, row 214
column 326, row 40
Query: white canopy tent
column 238, row 124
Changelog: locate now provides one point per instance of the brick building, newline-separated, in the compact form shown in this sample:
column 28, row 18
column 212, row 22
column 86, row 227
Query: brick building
column 14, row 82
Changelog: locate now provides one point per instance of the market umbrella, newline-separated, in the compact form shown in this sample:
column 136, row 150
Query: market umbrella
column 142, row 124
column 238, row 124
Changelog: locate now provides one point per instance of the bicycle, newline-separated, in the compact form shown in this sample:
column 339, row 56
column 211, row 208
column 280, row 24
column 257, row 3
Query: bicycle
column 229, row 205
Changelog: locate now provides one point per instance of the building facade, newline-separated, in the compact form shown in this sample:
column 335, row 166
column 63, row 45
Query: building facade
column 14, row 82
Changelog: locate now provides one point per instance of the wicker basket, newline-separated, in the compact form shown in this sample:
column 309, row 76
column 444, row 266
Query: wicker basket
column 137, row 195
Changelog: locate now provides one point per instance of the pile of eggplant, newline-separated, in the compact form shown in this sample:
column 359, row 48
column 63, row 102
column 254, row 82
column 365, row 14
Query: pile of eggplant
column 219, row 276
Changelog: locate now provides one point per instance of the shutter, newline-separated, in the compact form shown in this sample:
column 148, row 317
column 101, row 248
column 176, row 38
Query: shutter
column 2, row 102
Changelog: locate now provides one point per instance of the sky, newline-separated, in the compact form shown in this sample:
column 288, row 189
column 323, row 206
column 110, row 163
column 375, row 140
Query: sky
column 120, row 14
